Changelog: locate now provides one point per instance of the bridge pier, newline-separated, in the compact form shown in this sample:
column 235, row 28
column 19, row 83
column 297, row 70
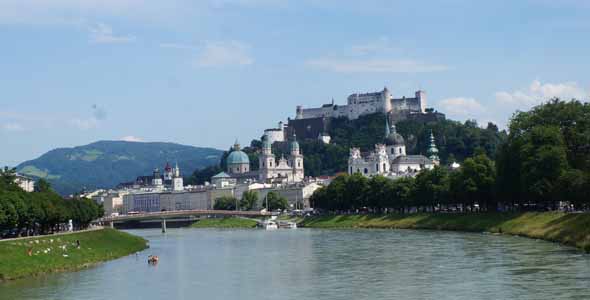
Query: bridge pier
column 163, row 225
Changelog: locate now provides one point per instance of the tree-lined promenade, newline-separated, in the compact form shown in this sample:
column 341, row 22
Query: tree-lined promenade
column 544, row 162
column 42, row 211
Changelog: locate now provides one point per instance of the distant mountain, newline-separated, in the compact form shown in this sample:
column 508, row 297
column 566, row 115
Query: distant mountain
column 105, row 164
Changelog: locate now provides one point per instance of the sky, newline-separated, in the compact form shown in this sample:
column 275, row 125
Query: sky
column 208, row 72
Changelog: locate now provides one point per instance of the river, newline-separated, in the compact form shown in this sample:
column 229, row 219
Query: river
column 325, row 264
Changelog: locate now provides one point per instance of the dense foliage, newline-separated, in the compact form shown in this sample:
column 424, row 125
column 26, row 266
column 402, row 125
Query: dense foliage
column 275, row 201
column 225, row 203
column 544, row 161
column 107, row 163
column 431, row 190
column 546, row 158
column 42, row 211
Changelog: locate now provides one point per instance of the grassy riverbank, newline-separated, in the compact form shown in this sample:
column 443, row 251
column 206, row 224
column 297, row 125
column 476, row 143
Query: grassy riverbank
column 232, row 222
column 60, row 252
column 569, row 229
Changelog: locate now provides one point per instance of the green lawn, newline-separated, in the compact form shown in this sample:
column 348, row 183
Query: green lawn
column 570, row 229
column 231, row 222
column 60, row 253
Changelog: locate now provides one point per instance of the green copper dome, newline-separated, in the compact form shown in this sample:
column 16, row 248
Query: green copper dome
column 237, row 156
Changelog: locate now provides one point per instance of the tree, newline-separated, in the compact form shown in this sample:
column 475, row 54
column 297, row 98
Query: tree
column 275, row 201
column 42, row 186
column 249, row 200
column 432, row 187
column 225, row 203
column 8, row 179
column 474, row 182
column 544, row 161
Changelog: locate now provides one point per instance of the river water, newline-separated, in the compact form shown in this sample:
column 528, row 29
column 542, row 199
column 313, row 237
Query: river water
column 325, row 264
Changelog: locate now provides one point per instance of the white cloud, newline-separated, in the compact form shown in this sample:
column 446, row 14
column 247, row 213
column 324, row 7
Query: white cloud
column 13, row 127
column 103, row 34
column 374, row 66
column 231, row 53
column 460, row 106
column 376, row 56
column 131, row 138
column 539, row 92
column 178, row 46
column 85, row 124
column 381, row 45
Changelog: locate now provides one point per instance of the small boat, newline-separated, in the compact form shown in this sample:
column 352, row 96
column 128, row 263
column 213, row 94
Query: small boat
column 287, row 225
column 153, row 259
column 268, row 225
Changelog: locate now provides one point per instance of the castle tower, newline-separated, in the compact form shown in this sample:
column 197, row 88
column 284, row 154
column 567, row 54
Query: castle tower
column 421, row 97
column 433, row 151
column 386, row 99
column 299, row 112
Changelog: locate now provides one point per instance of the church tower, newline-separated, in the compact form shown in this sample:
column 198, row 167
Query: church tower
column 296, row 160
column 433, row 151
column 267, row 160
column 177, row 181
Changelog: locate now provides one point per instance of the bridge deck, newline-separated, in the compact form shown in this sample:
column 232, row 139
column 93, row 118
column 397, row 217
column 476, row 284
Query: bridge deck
column 184, row 213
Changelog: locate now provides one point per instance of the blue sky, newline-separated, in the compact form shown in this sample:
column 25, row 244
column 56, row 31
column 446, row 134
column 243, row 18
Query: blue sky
column 207, row 72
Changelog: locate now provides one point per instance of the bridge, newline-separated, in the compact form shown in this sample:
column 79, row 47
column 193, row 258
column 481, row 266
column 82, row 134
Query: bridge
column 163, row 215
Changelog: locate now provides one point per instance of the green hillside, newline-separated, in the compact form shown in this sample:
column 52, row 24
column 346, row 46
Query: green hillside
column 105, row 164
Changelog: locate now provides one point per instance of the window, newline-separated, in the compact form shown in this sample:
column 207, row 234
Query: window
column 392, row 150
column 384, row 167
column 377, row 167
column 366, row 171
column 350, row 170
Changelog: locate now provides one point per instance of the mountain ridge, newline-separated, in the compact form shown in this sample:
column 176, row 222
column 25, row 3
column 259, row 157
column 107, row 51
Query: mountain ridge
column 104, row 164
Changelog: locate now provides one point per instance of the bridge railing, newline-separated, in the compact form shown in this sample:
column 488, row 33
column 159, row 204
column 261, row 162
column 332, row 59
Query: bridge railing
column 184, row 213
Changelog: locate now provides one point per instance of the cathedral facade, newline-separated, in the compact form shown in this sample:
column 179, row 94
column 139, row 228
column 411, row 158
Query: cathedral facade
column 288, row 169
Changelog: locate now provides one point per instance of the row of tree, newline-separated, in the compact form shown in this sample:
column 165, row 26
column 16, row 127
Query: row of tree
column 431, row 190
column 40, row 212
column 250, row 200
column 544, row 161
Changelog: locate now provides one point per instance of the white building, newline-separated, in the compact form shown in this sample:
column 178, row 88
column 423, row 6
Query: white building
column 25, row 183
column 390, row 159
column 364, row 104
column 276, row 134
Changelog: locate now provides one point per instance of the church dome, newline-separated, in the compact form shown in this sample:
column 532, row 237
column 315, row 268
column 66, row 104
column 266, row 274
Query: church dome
column 394, row 138
column 238, row 156
column 294, row 144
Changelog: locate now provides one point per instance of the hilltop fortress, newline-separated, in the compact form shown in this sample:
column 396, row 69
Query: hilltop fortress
column 368, row 103
column 315, row 123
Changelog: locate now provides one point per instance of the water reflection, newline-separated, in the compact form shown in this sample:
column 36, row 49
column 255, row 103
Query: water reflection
column 324, row 264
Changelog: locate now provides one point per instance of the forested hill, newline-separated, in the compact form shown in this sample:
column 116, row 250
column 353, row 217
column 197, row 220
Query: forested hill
column 455, row 141
column 105, row 164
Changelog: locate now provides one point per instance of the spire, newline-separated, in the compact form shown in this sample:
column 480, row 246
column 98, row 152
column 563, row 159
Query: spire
column 432, row 150
column 236, row 145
